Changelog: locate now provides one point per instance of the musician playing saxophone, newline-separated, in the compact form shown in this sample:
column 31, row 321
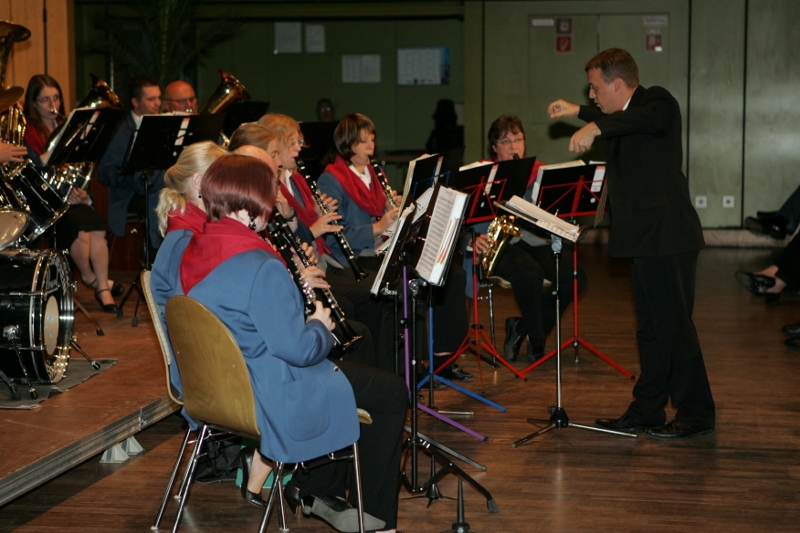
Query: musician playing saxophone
column 366, row 212
column 527, row 262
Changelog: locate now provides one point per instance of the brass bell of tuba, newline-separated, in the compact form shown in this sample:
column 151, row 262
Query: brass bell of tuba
column 12, row 120
column 500, row 231
column 228, row 91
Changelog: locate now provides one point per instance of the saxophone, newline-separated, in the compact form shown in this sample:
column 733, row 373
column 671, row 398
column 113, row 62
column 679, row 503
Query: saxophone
column 286, row 242
column 340, row 238
column 500, row 231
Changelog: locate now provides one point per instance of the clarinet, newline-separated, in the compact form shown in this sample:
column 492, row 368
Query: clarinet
column 340, row 238
column 286, row 242
column 387, row 190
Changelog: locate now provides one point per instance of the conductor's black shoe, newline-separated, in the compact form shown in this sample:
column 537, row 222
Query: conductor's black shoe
column 772, row 225
column 513, row 338
column 793, row 343
column 791, row 329
column 625, row 422
column 678, row 430
column 455, row 373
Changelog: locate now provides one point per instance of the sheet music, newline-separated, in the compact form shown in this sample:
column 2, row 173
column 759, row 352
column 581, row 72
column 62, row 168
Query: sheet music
column 442, row 230
column 538, row 183
column 376, row 285
column 421, row 206
column 542, row 218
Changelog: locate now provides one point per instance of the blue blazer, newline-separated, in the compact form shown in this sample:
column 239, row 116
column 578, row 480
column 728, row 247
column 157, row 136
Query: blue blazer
column 305, row 404
column 357, row 223
column 123, row 187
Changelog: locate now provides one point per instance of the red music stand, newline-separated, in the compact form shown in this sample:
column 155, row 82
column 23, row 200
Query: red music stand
column 569, row 188
column 504, row 179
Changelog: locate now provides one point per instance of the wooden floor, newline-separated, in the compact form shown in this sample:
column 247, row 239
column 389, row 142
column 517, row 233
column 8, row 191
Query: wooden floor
column 744, row 478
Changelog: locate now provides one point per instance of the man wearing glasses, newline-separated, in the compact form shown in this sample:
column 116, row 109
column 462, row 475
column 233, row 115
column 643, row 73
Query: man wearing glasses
column 179, row 97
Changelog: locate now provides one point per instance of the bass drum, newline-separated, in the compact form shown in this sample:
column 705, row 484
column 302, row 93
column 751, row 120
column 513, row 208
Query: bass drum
column 29, row 190
column 36, row 298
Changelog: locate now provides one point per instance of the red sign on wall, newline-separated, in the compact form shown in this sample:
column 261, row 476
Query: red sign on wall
column 563, row 43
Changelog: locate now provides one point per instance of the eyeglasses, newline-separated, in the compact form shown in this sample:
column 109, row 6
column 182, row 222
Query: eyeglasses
column 509, row 142
column 45, row 99
column 182, row 101
column 300, row 143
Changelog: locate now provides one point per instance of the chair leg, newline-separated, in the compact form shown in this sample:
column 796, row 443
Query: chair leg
column 203, row 435
column 275, row 492
column 172, row 479
column 359, row 492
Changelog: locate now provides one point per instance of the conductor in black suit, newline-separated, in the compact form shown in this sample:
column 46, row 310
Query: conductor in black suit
column 653, row 223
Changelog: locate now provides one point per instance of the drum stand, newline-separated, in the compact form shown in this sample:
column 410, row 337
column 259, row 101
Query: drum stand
column 10, row 384
column 12, row 334
column 558, row 416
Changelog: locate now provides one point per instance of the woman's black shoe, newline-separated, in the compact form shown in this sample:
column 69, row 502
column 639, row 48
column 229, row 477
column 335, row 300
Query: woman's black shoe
column 117, row 289
column 107, row 308
column 291, row 493
column 513, row 338
column 758, row 284
column 245, row 463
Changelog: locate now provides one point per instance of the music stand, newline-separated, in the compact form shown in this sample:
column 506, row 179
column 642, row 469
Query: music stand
column 156, row 146
column 242, row 111
column 85, row 136
column 558, row 230
column 570, row 192
column 487, row 184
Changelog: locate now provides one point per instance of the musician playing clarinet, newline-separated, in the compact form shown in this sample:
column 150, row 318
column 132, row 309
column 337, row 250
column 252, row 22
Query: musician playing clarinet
column 367, row 209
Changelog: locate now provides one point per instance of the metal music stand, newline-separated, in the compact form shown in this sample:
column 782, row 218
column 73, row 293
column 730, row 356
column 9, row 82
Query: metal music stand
column 572, row 192
column 549, row 223
column 397, row 259
column 487, row 185
column 156, row 146
column 85, row 136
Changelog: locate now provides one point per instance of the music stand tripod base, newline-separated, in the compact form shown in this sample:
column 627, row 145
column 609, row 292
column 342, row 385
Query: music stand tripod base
column 560, row 420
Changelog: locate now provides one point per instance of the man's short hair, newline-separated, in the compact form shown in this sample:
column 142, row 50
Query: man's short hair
column 615, row 63
column 135, row 89
column 502, row 126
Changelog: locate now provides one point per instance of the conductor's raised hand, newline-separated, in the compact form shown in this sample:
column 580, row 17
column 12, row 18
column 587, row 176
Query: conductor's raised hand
column 583, row 139
column 562, row 108
column 323, row 314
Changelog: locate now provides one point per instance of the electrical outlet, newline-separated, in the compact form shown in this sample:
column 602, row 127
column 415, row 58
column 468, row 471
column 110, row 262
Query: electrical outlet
column 700, row 202
column 727, row 202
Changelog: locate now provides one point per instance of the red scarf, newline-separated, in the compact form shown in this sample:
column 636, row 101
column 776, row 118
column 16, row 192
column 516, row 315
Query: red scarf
column 306, row 212
column 192, row 219
column 372, row 200
column 217, row 242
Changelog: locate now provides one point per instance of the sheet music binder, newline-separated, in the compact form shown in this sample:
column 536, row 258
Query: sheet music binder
column 85, row 136
column 161, row 138
column 542, row 219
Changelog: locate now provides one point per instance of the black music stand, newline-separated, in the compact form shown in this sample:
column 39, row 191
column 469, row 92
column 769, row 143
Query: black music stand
column 396, row 260
column 558, row 230
column 570, row 192
column 242, row 111
column 487, row 185
column 156, row 146
column 85, row 136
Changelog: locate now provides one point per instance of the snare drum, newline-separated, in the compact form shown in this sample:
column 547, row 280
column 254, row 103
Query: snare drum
column 28, row 190
column 36, row 296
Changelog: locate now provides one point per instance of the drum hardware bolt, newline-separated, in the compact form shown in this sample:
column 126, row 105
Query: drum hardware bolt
column 10, row 332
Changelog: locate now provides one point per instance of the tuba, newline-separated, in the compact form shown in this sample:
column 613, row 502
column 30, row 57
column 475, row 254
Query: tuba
column 12, row 120
column 500, row 231
column 228, row 91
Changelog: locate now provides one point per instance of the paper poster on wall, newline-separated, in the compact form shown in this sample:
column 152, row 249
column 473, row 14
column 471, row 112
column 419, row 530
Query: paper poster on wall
column 288, row 37
column 315, row 38
column 423, row 66
column 357, row 68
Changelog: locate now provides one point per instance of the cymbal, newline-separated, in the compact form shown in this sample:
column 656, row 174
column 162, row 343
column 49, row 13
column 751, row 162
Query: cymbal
column 13, row 32
column 9, row 96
